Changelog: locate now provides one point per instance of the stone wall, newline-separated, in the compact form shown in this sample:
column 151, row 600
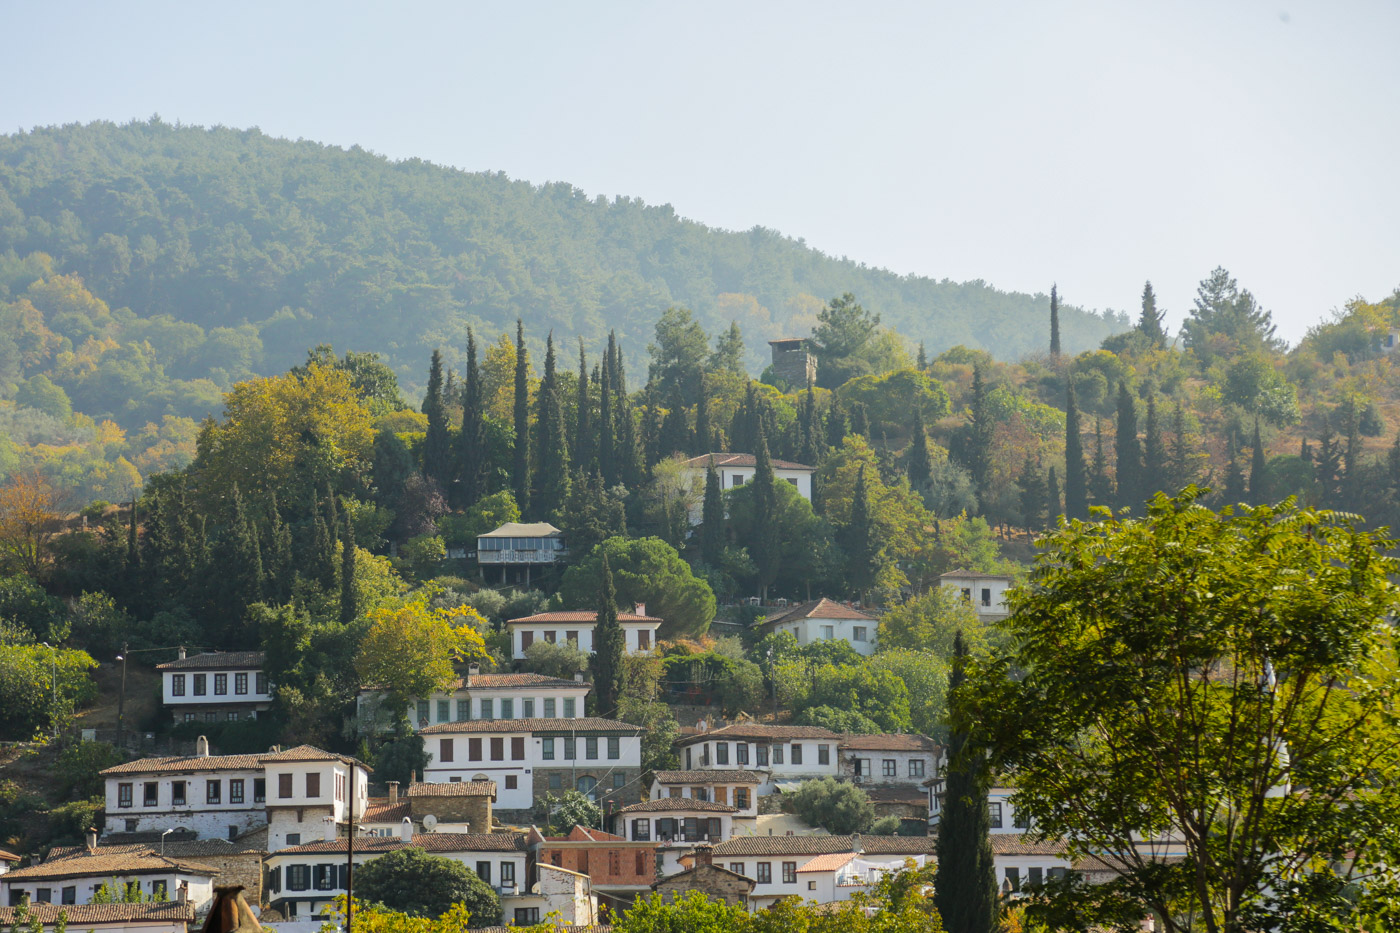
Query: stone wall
column 709, row 880
column 475, row 810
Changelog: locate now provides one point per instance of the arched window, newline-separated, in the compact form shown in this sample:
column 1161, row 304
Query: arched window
column 587, row 786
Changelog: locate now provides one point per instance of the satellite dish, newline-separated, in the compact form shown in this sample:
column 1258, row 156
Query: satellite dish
column 430, row 822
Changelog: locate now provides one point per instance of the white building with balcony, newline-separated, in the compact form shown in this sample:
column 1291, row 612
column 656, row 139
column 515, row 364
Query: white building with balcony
column 576, row 626
column 487, row 696
column 737, row 469
column 782, row 754
column 215, row 686
column 899, row 758
column 733, row 787
column 986, row 591
column 677, row 824
column 825, row 620
column 519, row 548
column 77, row 876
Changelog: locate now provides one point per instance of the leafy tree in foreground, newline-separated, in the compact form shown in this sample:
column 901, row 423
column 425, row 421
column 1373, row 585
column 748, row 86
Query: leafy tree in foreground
column 412, row 881
column 838, row 806
column 1226, row 679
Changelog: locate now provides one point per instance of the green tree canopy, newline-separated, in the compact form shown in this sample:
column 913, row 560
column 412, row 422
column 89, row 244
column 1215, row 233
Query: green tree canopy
column 645, row 570
column 423, row 885
column 837, row 806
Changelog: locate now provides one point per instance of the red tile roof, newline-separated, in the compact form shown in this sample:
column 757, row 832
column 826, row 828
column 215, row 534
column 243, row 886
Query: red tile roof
column 380, row 810
column 431, row 842
column 744, row 460
column 817, row 609
column 821, row 845
column 453, row 789
column 890, row 742
column 104, row 862
column 225, row 762
column 580, row 615
column 1022, row 844
column 7, row 856
column 84, row 915
column 670, row 804
column 828, row 862
column 716, row 776
column 216, row 660
column 760, row 732
column 582, row 724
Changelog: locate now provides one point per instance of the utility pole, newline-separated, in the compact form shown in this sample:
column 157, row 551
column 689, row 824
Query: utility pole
column 121, row 700
column 350, row 856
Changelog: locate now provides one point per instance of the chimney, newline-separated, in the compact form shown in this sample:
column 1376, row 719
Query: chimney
column 855, row 844
column 578, row 677
column 180, row 652
column 201, row 747
column 412, row 778
column 393, row 792
column 468, row 826
column 406, row 832
column 640, row 608
column 91, row 840
column 703, row 855
column 330, row 829
column 184, row 891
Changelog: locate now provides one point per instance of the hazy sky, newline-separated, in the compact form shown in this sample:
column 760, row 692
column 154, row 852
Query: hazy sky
column 1093, row 144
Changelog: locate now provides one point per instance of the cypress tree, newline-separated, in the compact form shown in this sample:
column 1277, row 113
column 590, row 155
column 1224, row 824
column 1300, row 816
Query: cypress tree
column 437, row 450
column 133, row 549
column 704, row 431
column 618, row 370
column 349, row 607
column 652, row 426
column 1053, row 508
column 743, row 431
column 1258, row 469
column 1054, row 322
column 1393, row 486
column 922, row 358
column 859, row 540
column 764, row 548
column 1150, row 321
column 1076, row 483
column 1328, row 467
column 631, row 468
column 810, row 451
column 1127, row 452
column 609, row 642
column 860, row 422
column 520, row 466
column 469, row 442
column 327, row 565
column 712, row 518
column 583, row 417
column 241, row 562
column 1305, row 452
column 675, row 435
column 1033, row 508
column 607, row 422
column 552, row 458
column 1100, row 485
column 965, row 883
column 280, row 567
column 920, row 468
column 1351, row 463
column 1156, row 470
column 1182, row 473
column 1234, row 476
column 980, row 439
column 837, row 426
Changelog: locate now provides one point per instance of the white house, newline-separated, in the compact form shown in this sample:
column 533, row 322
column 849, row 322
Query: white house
column 837, row 876
column 75, row 878
column 576, row 625
column 737, row 469
column 149, row 917
column 529, row 758
column 677, row 823
column 904, row 758
column 305, row 878
column 775, row 862
column 515, row 547
column 8, row 860
column 215, row 686
column 736, row 788
column 555, row 891
column 783, row 754
column 986, row 591
column 489, row 696
column 825, row 620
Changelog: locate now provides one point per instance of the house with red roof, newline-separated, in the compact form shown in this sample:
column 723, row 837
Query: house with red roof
column 825, row 620
column 736, row 469
column 576, row 626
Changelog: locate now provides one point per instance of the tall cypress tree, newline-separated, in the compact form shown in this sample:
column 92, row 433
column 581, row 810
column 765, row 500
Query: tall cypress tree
column 1076, row 483
column 241, row 569
column 280, row 567
column 1127, row 452
column 860, row 422
column 1156, row 470
column 837, row 427
column 552, row 457
column 1033, row 508
column 859, row 540
column 920, row 468
column 1234, row 476
column 349, row 606
column 810, row 452
column 965, row 882
column 712, row 518
column 922, row 359
column 1150, row 320
column 609, row 642
column 607, row 421
column 979, row 454
column 328, row 567
column 1258, row 468
column 469, row 442
column 583, row 417
column 1054, row 321
column 1183, row 471
column 631, row 465
column 1351, row 460
column 1327, row 471
column 675, row 435
column 764, row 548
column 520, row 466
column 133, row 548
column 1100, row 484
column 437, row 449
column 704, row 431
column 1053, row 508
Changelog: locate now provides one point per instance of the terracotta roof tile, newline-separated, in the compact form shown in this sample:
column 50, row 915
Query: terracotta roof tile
column 817, row 609
column 8, row 856
column 453, row 789
column 580, row 615
column 890, row 742
column 829, row 862
column 188, row 763
column 144, row 862
column 760, row 731
column 669, row 804
column 515, row 682
column 83, row 915
column 717, row 776
column 431, row 842
column 582, row 724
column 743, row 460
column 380, row 810
column 216, row 660
column 896, row 793
column 821, row 845
column 1022, row 844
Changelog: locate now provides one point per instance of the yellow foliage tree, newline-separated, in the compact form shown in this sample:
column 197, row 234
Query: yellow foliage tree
column 29, row 518
column 410, row 648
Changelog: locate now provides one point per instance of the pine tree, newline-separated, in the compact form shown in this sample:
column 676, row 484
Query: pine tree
column 552, row 456
column 1234, row 476
column 712, row 518
column 859, row 540
column 919, row 467
column 1127, row 452
column 1156, row 470
column 980, row 439
column 1053, row 508
column 1258, row 469
column 704, row 431
column 922, row 360
column 1033, row 496
column 609, row 643
column 1100, row 484
column 1076, row 483
column 1054, row 322
column 520, row 465
column 469, row 442
column 764, row 547
column 1150, row 321
column 583, row 420
column 437, row 449
column 965, row 883
column 349, row 607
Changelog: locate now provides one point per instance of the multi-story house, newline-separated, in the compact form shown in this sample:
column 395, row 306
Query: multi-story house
column 790, row 754
column 676, row 824
column 305, row 878
column 308, row 789
column 889, row 759
column 621, row 869
column 519, row 549
column 1019, row 859
column 734, row 787
column 76, row 876
column 215, row 687
column 529, row 758
column 737, row 469
column 576, row 626
column 825, row 620
column 775, row 863
column 475, row 695
column 986, row 591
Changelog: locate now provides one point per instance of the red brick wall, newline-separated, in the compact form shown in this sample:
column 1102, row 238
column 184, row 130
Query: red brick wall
column 604, row 864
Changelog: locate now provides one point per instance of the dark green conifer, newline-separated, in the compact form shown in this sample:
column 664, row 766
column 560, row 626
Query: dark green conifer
column 328, row 566
column 437, row 449
column 858, row 540
column 349, row 607
column 1076, row 483
column 1328, row 466
column 764, row 548
column 1156, row 468
column 920, row 468
column 922, row 359
column 632, row 468
column 860, row 422
column 133, row 548
column 609, row 643
column 1258, row 469
column 280, row 566
column 704, row 431
column 1100, row 483
column 552, row 457
column 1054, row 322
column 712, row 518
column 810, row 451
column 1150, row 321
column 583, row 417
column 1033, row 507
column 980, row 433
column 1183, row 471
column 675, row 435
column 1127, row 452
column 607, row 420
column 1053, row 508
column 470, row 455
column 837, row 427
column 520, row 464
column 1234, row 476
column 1351, row 478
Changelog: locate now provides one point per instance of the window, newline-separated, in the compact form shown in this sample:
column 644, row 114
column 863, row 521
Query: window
column 483, row 871
column 511, row 782
column 508, row 874
column 69, row 895
column 177, row 793
column 213, row 791
column 123, row 795
column 556, row 781
column 777, row 755
column 1034, row 875
column 527, row 916
column 517, row 748
column 284, row 786
column 789, row 873
column 643, row 640
column 569, row 706
column 325, row 877
column 210, row 716
column 1013, row 875
column 741, row 753
column 260, row 683
column 527, row 638
column 858, row 633
column 547, row 749
column 549, row 709
column 687, row 759
column 220, row 685
column 986, row 596
column 570, row 748
column 498, row 748
column 823, row 754
column 614, row 748
column 736, row 867
column 551, row 637
column 131, row 825
column 796, row 753
column 967, row 593
column 587, row 785
column 444, row 710
column 473, row 749
column 423, row 712
column 313, row 785
column 571, row 638
column 43, row 895
column 298, row 876
column 259, row 790
column 150, row 793
column 738, row 480
column 741, row 798
column 294, row 839
column 235, row 790
column 994, row 810
column 507, row 709
column 488, row 708
column 811, row 886
column 444, row 750
column 464, row 710
column 916, row 767
column 640, row 867
column 590, row 748
column 761, row 755
column 721, row 753
column 199, row 684
column 891, row 767
column 189, row 717
column 177, row 685
column 527, row 709
column 232, row 716
column 1019, row 821
column 619, row 780
column 828, row 632
column 240, row 684
column 765, row 873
